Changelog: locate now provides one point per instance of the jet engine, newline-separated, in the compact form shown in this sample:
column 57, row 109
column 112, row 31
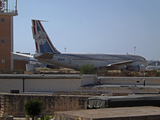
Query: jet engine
column 52, row 66
column 136, row 68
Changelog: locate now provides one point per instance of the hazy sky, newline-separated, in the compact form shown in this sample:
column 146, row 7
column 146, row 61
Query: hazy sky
column 92, row 26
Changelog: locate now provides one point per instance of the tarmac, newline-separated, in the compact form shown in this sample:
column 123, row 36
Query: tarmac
column 125, row 113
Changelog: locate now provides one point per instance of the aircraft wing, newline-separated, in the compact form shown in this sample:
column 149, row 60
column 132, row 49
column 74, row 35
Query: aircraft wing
column 120, row 63
column 117, row 65
column 45, row 56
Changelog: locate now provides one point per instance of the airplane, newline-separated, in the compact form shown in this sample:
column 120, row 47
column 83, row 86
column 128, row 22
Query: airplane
column 48, row 54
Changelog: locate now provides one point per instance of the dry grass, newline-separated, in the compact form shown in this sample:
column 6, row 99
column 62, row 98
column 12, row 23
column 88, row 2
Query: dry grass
column 56, row 71
column 109, row 73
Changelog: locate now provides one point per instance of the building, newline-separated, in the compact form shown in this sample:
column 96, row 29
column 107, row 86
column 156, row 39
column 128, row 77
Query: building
column 6, row 37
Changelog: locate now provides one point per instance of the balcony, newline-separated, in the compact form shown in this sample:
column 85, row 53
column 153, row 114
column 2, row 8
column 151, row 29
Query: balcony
column 8, row 12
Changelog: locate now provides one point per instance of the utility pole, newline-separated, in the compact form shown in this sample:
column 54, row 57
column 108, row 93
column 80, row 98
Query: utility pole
column 65, row 49
column 134, row 50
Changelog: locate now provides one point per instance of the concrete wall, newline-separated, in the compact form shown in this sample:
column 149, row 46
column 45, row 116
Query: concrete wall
column 51, row 85
column 130, row 80
column 54, row 83
column 12, row 104
column 39, row 83
column 88, row 79
column 116, row 90
column 73, row 80
column 11, row 84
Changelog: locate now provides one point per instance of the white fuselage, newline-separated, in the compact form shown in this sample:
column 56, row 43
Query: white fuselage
column 75, row 61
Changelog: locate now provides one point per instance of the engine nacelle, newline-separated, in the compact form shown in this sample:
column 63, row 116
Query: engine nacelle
column 136, row 68
column 52, row 66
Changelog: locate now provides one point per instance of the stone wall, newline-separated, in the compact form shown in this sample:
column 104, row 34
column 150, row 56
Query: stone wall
column 12, row 104
column 7, row 118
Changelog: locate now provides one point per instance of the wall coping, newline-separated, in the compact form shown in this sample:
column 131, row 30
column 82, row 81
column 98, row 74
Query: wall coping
column 39, row 76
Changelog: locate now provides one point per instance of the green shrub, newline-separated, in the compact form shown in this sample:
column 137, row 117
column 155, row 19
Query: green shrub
column 87, row 69
column 33, row 108
column 47, row 117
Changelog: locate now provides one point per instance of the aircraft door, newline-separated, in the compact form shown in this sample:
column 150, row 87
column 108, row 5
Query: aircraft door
column 69, row 61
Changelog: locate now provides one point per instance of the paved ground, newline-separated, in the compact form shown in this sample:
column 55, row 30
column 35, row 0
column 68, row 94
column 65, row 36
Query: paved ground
column 114, row 112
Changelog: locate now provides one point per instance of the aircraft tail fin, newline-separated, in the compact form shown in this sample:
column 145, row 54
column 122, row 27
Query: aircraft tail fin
column 42, row 41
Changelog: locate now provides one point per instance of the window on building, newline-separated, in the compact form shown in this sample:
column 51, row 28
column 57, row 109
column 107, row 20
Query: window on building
column 2, row 41
column 2, row 20
column 3, row 61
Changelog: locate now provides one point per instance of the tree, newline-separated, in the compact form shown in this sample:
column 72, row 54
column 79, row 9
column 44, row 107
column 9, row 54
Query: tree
column 33, row 108
column 87, row 69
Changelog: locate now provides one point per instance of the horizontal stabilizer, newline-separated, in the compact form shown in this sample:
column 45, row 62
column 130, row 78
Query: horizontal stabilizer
column 45, row 56
column 24, row 57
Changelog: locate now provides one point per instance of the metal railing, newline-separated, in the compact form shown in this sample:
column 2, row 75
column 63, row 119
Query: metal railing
column 8, row 11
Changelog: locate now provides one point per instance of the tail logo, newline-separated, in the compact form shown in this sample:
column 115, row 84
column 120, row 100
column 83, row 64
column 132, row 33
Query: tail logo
column 42, row 41
column 40, row 37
